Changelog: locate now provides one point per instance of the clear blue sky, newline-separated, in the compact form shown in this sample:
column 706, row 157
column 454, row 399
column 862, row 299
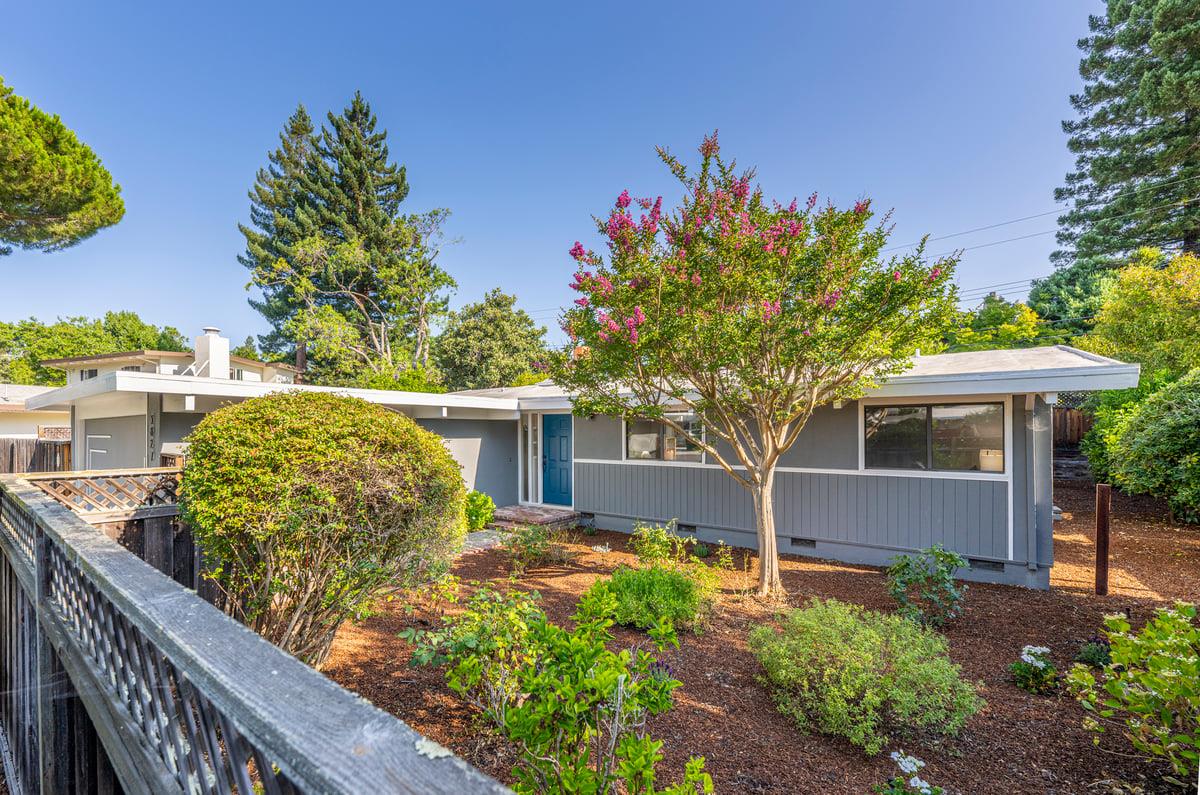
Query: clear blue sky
column 526, row 119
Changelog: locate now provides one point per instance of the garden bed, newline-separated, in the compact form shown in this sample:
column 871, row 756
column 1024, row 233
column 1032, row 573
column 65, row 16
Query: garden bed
column 1019, row 743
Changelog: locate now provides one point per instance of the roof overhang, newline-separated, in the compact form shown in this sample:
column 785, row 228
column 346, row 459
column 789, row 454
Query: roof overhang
column 428, row 404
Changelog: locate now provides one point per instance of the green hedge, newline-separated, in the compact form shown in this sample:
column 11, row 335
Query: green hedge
column 308, row 504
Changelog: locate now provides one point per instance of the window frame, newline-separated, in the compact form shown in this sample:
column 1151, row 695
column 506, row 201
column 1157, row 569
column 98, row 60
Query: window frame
column 1000, row 401
column 661, row 436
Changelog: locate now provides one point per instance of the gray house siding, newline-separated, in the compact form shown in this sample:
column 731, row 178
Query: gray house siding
column 177, row 425
column 487, row 452
column 114, row 443
column 857, row 516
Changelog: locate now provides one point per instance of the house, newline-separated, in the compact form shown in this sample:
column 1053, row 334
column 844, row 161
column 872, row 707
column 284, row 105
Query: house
column 956, row 451
column 17, row 421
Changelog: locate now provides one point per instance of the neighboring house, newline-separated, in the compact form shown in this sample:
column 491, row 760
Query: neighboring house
column 19, row 422
column 955, row 451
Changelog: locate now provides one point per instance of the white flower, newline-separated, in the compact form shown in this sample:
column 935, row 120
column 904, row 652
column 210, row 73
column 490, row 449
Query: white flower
column 906, row 763
column 920, row 785
column 604, row 548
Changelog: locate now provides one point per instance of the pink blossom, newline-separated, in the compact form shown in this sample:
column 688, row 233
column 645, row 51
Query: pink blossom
column 623, row 199
column 740, row 188
column 602, row 335
column 896, row 276
column 644, row 204
column 581, row 278
column 696, row 279
column 812, row 200
column 860, row 206
column 638, row 315
column 577, row 251
column 680, row 311
column 934, row 274
column 581, row 302
column 832, row 299
column 771, row 309
column 710, row 147
column 633, row 336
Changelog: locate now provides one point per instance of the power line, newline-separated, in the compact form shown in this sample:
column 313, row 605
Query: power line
column 1031, row 217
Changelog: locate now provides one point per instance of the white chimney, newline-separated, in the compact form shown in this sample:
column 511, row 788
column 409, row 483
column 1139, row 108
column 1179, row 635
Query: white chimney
column 212, row 354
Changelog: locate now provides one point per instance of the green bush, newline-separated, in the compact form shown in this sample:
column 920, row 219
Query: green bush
column 307, row 505
column 1034, row 672
column 530, row 546
column 924, row 585
column 649, row 596
column 1096, row 652
column 1109, row 409
column 1157, row 447
column 575, row 711
column 480, row 509
column 656, row 544
column 858, row 674
column 1150, row 690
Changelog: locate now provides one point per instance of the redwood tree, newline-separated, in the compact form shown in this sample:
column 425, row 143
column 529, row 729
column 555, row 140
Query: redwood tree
column 748, row 312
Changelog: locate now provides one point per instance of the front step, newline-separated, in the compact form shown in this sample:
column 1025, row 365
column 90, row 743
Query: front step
column 540, row 515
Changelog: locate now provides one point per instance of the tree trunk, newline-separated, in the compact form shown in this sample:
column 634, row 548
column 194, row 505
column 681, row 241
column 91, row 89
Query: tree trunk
column 763, row 492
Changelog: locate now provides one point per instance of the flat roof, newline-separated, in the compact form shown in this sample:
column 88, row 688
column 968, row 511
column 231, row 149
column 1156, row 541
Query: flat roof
column 13, row 396
column 151, row 354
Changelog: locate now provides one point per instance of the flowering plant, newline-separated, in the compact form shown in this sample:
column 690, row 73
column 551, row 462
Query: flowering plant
column 1034, row 671
column 913, row 784
column 748, row 312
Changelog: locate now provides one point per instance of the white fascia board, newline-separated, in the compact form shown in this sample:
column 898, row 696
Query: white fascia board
column 64, row 396
column 1088, row 378
column 159, row 383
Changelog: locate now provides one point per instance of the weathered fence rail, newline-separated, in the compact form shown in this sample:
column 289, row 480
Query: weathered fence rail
column 1070, row 425
column 115, row 678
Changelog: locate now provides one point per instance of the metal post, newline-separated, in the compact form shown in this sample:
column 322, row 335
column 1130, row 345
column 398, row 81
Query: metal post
column 1103, row 519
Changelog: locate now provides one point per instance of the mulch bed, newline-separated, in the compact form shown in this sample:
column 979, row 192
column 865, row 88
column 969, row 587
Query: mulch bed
column 1018, row 743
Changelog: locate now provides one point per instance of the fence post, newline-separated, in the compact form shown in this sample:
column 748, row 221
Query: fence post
column 1103, row 520
column 53, row 699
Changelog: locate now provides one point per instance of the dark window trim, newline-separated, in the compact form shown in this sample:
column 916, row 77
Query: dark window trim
column 929, row 407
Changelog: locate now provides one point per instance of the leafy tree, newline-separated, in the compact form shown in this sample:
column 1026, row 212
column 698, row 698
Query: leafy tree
column 337, row 191
column 247, row 350
column 1151, row 315
column 747, row 312
column 998, row 323
column 1137, row 167
column 1070, row 297
column 488, row 344
column 26, row 343
column 54, row 192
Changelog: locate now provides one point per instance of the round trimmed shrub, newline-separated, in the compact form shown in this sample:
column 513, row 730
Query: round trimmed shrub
column 481, row 509
column 1157, row 447
column 307, row 505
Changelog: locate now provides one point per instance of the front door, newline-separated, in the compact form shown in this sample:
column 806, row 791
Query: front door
column 556, row 459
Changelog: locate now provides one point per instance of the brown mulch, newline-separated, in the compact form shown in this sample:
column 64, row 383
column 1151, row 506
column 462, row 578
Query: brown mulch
column 1018, row 743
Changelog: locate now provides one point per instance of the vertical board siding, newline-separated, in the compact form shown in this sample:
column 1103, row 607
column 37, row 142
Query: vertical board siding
column 969, row 516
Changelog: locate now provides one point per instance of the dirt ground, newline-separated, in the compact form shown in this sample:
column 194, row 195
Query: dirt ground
column 1018, row 743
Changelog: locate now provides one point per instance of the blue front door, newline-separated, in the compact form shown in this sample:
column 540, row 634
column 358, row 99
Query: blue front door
column 556, row 459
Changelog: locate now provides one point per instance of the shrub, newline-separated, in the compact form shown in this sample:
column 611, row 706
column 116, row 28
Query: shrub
column 656, row 544
column 649, row 596
column 480, row 509
column 1034, row 672
column 858, row 674
column 924, row 585
column 575, row 710
column 530, row 546
column 1150, row 691
column 307, row 505
column 701, row 550
column 1096, row 652
column 1109, row 409
column 1157, row 448
column 914, row 785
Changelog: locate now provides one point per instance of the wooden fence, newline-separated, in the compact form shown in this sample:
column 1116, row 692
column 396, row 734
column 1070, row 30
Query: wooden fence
column 1070, row 425
column 116, row 678
column 34, row 455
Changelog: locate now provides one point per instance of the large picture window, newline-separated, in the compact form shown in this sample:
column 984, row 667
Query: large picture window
column 962, row 437
column 650, row 440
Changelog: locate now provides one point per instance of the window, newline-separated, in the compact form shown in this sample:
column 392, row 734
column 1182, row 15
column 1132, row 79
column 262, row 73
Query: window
column 131, row 368
column 85, row 375
column 966, row 437
column 651, row 440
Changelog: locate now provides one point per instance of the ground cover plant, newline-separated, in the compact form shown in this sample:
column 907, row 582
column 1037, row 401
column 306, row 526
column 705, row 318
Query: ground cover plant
column 308, row 506
column 1033, row 671
column 843, row 670
column 924, row 586
column 643, row 597
column 530, row 546
column 1150, row 690
column 576, row 711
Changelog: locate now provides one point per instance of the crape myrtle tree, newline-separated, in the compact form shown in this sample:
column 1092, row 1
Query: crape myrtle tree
column 748, row 312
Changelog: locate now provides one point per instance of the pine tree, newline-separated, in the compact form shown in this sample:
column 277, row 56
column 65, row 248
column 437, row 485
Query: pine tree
column 1137, row 168
column 281, row 214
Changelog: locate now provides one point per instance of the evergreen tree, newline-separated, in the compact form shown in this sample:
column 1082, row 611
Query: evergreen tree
column 54, row 192
column 1137, row 168
column 338, row 190
column 281, row 214
column 489, row 344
